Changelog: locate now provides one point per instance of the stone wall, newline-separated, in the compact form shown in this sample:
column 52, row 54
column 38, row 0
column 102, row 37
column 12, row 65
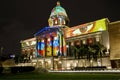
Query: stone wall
column 114, row 36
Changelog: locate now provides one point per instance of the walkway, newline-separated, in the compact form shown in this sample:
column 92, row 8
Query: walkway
column 89, row 71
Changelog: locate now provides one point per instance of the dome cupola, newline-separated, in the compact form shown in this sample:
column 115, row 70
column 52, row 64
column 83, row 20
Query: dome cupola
column 58, row 17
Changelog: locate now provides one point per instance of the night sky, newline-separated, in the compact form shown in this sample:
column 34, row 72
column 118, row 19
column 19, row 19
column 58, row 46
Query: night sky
column 21, row 19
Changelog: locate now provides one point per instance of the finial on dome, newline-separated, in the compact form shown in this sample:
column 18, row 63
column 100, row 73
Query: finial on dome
column 58, row 3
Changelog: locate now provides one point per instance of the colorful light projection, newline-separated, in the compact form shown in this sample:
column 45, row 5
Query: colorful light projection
column 55, row 42
column 56, row 46
column 99, row 25
column 41, row 47
column 58, row 10
column 62, row 45
column 49, row 47
column 58, row 16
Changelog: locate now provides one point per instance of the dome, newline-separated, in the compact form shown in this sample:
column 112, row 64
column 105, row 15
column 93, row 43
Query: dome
column 58, row 10
column 58, row 17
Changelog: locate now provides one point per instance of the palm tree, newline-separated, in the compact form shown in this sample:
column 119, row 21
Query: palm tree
column 100, row 51
column 90, row 52
column 82, row 53
column 96, row 51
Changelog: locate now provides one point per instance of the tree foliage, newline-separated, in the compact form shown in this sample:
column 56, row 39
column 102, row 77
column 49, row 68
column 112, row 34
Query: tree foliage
column 93, row 51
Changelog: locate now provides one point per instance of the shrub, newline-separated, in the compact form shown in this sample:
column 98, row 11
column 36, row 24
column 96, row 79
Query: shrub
column 22, row 69
column 41, row 70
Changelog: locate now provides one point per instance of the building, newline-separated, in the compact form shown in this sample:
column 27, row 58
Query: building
column 90, row 43
column 114, row 36
column 86, row 46
column 28, row 49
column 51, row 45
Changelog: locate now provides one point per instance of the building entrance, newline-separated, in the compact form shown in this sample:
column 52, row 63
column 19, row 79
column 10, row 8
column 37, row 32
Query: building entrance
column 57, row 65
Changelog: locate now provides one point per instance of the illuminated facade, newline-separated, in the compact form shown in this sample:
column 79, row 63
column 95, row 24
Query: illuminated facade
column 89, row 41
column 51, row 45
column 62, row 48
column 114, row 36
column 85, row 46
column 58, row 17
column 28, row 49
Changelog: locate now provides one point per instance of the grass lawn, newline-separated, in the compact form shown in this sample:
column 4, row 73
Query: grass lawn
column 60, row 76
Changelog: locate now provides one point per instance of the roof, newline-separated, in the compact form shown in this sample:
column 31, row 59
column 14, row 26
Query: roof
column 116, row 22
column 30, row 39
column 58, row 10
column 47, row 30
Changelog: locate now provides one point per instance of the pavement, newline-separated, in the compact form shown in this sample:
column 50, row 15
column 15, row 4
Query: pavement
column 88, row 71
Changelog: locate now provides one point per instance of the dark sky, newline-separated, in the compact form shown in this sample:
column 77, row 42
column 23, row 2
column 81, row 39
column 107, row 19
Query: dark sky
column 21, row 19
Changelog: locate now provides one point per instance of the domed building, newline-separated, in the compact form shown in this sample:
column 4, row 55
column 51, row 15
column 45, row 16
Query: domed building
column 61, row 48
column 84, row 46
column 58, row 17
column 51, row 43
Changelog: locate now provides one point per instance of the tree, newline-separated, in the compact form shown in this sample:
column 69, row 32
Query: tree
column 96, row 51
column 82, row 53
